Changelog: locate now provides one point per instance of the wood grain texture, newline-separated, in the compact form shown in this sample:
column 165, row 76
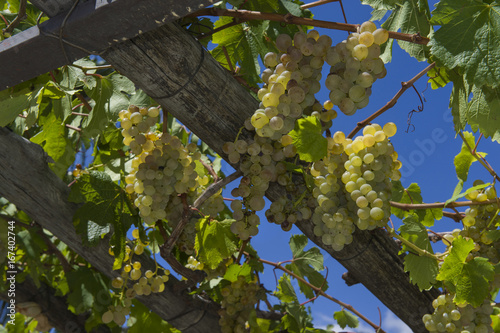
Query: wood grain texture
column 169, row 65
column 38, row 49
column 27, row 181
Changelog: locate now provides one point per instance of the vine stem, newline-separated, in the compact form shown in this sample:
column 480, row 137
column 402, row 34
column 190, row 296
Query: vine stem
column 419, row 251
column 317, row 3
column 319, row 291
column 21, row 14
column 246, row 15
column 442, row 204
column 479, row 158
column 404, row 86
column 84, row 68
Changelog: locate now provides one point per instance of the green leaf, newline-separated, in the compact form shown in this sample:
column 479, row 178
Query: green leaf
column 481, row 112
column 423, row 270
column 105, row 203
column 381, row 4
column 412, row 195
column 285, row 292
column 464, row 159
column 110, row 96
column 235, row 270
column 144, row 320
column 461, row 195
column 438, row 77
column 87, row 288
column 306, row 264
column 469, row 279
column 307, row 138
column 468, row 39
column 345, row 318
column 410, row 17
column 14, row 103
column 140, row 99
column 214, row 241
column 234, row 40
column 54, row 141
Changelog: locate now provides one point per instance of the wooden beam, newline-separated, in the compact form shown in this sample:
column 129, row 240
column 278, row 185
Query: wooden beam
column 92, row 27
column 27, row 181
column 170, row 66
column 52, row 7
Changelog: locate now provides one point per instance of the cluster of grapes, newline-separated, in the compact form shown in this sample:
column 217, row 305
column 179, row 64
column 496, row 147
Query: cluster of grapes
column 239, row 299
column 297, row 205
column 163, row 170
column 261, row 163
column 355, row 65
column 291, row 81
column 194, row 264
column 480, row 224
column 151, row 282
column 452, row 318
column 352, row 186
column 117, row 313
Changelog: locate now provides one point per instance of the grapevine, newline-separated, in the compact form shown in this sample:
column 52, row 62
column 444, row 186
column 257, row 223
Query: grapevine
column 155, row 189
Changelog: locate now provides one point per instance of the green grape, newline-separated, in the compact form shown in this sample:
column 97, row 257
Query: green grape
column 107, row 317
column 380, row 36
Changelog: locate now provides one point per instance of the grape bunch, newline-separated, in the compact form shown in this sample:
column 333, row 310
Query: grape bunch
column 453, row 318
column 150, row 282
column 239, row 299
column 352, row 184
column 481, row 225
column 291, row 81
column 163, row 173
column 355, row 65
column 261, row 162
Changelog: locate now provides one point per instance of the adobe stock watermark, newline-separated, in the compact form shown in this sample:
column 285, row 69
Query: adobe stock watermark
column 11, row 271
column 425, row 148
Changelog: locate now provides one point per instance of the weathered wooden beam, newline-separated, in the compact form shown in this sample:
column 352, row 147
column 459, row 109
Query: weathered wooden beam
column 27, row 181
column 169, row 65
column 52, row 7
column 92, row 27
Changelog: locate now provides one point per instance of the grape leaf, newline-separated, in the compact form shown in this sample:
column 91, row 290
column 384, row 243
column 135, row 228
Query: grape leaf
column 469, row 279
column 456, row 196
column 105, row 203
column 438, row 77
column 381, row 4
column 468, row 39
column 33, row 246
column 345, row 318
column 235, row 270
column 411, row 17
column 54, row 141
column 464, row 159
column 306, row 264
column 234, row 40
column 423, row 270
column 110, row 96
column 311, row 145
column 214, row 241
column 285, row 292
column 412, row 195
column 144, row 320
column 104, row 200
column 85, row 286
column 480, row 111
